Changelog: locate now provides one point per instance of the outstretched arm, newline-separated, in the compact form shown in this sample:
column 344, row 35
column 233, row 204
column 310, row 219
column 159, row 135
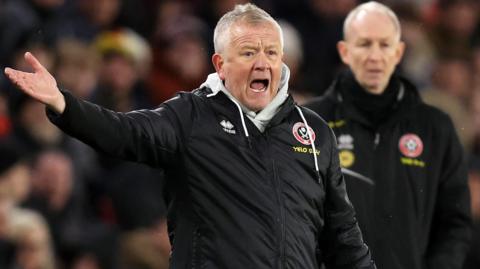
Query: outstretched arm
column 40, row 84
column 147, row 136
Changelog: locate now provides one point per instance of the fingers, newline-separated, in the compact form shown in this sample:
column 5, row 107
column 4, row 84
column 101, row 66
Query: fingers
column 8, row 71
column 18, row 78
column 12, row 74
column 33, row 62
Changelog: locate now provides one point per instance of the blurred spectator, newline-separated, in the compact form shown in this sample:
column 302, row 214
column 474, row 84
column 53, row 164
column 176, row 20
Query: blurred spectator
column 26, row 230
column 33, row 247
column 417, row 3
column 126, row 42
column 211, row 10
column 293, row 58
column 100, row 13
column 32, row 129
column 321, row 28
column 139, row 15
column 180, row 53
column 456, row 25
column 22, row 20
column 125, row 60
column 14, row 173
column 419, row 54
column 132, row 197
column 87, row 18
column 138, row 209
column 42, row 49
column 453, row 75
column 451, row 90
column 55, row 194
column 76, row 67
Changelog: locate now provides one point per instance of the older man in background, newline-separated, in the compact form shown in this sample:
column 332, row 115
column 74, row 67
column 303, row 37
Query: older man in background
column 404, row 165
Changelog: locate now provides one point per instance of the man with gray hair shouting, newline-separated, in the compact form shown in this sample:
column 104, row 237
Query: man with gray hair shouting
column 254, row 179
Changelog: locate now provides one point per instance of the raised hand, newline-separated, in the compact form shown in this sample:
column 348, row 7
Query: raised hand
column 40, row 84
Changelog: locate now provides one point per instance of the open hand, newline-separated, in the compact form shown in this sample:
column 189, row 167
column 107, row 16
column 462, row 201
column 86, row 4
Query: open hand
column 40, row 84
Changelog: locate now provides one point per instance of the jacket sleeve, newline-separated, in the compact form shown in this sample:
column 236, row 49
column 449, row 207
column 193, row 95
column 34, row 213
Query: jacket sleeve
column 451, row 225
column 343, row 243
column 146, row 136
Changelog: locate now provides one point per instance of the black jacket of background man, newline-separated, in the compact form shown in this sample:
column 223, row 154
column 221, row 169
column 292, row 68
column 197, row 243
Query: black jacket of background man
column 405, row 174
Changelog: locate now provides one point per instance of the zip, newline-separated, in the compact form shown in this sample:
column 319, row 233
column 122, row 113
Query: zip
column 281, row 208
column 376, row 141
column 282, row 216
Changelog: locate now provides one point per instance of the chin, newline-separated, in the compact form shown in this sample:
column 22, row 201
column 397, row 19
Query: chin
column 256, row 107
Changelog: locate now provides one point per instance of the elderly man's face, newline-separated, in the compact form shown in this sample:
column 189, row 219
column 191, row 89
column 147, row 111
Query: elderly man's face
column 251, row 63
column 371, row 49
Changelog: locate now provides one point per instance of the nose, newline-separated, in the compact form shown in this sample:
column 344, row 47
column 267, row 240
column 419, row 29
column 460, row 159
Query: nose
column 261, row 62
column 375, row 53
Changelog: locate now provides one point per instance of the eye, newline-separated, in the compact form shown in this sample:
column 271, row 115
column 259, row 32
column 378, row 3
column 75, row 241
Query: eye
column 363, row 44
column 272, row 52
column 248, row 53
column 384, row 45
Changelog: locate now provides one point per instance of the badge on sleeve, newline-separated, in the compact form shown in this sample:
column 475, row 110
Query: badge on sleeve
column 410, row 145
column 300, row 133
column 347, row 158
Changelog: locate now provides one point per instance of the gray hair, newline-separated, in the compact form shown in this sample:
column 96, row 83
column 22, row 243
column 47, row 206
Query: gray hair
column 372, row 6
column 248, row 13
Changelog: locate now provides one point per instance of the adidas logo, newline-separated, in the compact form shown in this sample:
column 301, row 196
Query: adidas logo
column 228, row 127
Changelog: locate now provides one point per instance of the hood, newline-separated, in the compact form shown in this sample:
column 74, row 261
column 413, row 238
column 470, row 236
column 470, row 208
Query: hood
column 262, row 118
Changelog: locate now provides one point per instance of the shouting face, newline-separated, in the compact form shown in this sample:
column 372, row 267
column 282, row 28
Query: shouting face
column 251, row 62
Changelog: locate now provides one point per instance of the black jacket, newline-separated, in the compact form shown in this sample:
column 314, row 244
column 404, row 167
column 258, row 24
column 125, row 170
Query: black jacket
column 237, row 201
column 406, row 178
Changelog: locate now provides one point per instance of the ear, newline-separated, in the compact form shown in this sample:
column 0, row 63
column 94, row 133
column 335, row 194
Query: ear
column 399, row 51
column 342, row 49
column 218, row 61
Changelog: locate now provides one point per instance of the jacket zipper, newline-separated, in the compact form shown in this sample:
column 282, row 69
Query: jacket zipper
column 376, row 141
column 281, row 221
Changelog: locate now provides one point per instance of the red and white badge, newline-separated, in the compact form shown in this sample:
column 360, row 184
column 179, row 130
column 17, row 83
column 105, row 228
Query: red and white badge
column 410, row 145
column 300, row 133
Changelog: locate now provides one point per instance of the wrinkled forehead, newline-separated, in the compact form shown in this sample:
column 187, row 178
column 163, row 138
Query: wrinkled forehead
column 366, row 21
column 264, row 31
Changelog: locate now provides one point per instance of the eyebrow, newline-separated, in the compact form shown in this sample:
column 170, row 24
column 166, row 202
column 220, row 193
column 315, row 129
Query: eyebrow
column 361, row 38
column 249, row 47
column 257, row 47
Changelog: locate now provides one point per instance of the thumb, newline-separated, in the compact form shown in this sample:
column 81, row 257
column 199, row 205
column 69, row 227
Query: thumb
column 33, row 62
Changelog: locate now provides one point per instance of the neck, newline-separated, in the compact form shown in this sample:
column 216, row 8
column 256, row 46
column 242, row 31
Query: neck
column 374, row 90
column 374, row 104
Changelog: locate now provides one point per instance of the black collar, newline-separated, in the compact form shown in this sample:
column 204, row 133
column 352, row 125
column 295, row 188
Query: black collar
column 372, row 109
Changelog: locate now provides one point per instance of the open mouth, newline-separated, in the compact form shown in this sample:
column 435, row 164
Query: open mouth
column 374, row 71
column 259, row 85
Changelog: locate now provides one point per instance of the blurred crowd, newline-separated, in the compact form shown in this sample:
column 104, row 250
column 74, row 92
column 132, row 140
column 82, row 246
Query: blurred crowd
column 62, row 205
